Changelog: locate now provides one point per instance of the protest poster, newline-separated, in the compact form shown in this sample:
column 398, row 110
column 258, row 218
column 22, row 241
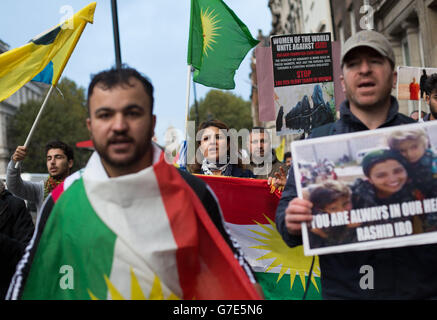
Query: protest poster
column 411, row 81
column 303, row 82
column 370, row 190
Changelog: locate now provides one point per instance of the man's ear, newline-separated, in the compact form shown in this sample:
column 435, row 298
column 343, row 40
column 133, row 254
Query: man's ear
column 342, row 83
column 88, row 125
column 395, row 79
column 153, row 124
column 70, row 163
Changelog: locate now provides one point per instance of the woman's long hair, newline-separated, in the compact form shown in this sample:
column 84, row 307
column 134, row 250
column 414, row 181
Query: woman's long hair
column 196, row 167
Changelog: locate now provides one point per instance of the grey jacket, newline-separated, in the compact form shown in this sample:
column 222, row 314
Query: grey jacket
column 26, row 190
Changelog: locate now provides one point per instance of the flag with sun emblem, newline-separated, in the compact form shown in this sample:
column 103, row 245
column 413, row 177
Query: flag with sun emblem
column 218, row 43
column 139, row 236
column 249, row 212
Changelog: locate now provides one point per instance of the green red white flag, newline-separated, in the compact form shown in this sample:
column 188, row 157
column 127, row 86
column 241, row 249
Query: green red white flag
column 249, row 210
column 139, row 236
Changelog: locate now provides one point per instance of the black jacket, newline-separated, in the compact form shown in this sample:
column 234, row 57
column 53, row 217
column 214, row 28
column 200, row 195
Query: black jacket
column 16, row 229
column 399, row 273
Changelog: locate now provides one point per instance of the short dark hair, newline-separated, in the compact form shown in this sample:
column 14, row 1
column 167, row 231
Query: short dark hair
column 258, row 129
column 431, row 84
column 287, row 155
column 114, row 77
column 56, row 144
column 422, row 112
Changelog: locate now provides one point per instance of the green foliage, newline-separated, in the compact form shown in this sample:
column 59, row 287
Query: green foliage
column 226, row 107
column 64, row 118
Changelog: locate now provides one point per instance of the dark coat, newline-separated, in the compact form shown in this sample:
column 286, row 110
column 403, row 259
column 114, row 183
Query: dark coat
column 16, row 229
column 399, row 273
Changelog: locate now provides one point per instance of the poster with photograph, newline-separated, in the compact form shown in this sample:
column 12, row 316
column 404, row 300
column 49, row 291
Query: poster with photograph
column 370, row 190
column 411, row 82
column 303, row 82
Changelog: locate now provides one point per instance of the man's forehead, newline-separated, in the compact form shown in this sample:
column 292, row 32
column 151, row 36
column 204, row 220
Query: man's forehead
column 55, row 151
column 120, row 96
column 362, row 51
column 254, row 135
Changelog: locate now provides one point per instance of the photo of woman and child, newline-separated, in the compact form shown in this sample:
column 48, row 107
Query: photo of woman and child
column 402, row 170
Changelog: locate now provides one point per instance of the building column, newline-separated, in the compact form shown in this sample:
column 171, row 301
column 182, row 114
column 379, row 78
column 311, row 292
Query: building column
column 412, row 31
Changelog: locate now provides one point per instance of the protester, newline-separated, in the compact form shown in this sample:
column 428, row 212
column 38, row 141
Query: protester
column 264, row 162
column 368, row 77
column 288, row 159
column 415, row 115
column 331, row 197
column 16, row 229
column 59, row 161
column 431, row 97
column 129, row 220
column 217, row 156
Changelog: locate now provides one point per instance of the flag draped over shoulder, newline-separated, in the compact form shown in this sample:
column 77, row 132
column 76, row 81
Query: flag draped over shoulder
column 44, row 58
column 249, row 212
column 140, row 236
column 218, row 43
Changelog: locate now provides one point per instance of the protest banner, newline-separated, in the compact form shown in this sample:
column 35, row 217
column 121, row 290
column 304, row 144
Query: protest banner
column 303, row 82
column 411, row 86
column 370, row 190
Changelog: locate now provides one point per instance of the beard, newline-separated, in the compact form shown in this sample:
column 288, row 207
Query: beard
column 433, row 110
column 140, row 149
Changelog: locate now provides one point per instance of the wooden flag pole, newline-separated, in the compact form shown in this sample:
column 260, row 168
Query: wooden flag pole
column 29, row 136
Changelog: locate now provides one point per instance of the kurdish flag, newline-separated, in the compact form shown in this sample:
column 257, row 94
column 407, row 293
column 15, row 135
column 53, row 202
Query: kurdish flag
column 249, row 211
column 218, row 43
column 44, row 58
column 139, row 236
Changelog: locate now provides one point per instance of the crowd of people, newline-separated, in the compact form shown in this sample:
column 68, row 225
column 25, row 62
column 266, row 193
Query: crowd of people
column 127, row 174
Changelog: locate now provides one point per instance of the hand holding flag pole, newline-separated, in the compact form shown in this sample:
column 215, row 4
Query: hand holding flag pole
column 43, row 59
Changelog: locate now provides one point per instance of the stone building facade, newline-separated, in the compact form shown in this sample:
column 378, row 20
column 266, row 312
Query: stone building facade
column 8, row 107
column 408, row 24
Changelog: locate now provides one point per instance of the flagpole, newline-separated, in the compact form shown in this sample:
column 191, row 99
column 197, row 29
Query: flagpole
column 29, row 136
column 187, row 102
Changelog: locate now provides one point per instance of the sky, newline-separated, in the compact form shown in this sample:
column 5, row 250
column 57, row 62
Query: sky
column 153, row 40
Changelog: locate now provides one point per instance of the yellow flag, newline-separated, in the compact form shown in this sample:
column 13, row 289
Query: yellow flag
column 280, row 151
column 45, row 56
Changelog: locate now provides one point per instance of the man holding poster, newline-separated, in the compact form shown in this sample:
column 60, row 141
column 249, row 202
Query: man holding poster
column 401, row 273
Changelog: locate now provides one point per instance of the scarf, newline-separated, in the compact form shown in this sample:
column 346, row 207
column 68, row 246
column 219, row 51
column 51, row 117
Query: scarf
column 50, row 184
column 208, row 167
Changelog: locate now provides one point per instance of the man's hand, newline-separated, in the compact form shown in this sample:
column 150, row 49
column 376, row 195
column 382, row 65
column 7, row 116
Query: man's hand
column 19, row 154
column 279, row 181
column 298, row 211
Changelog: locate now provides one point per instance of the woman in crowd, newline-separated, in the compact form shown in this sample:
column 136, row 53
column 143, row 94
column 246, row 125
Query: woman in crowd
column 213, row 155
column 386, row 182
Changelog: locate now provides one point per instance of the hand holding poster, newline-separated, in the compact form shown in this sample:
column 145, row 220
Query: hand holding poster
column 303, row 80
column 370, row 190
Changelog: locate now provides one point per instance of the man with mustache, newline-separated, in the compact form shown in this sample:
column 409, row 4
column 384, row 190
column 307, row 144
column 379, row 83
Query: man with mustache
column 368, row 65
column 59, row 160
column 138, row 222
column 431, row 97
